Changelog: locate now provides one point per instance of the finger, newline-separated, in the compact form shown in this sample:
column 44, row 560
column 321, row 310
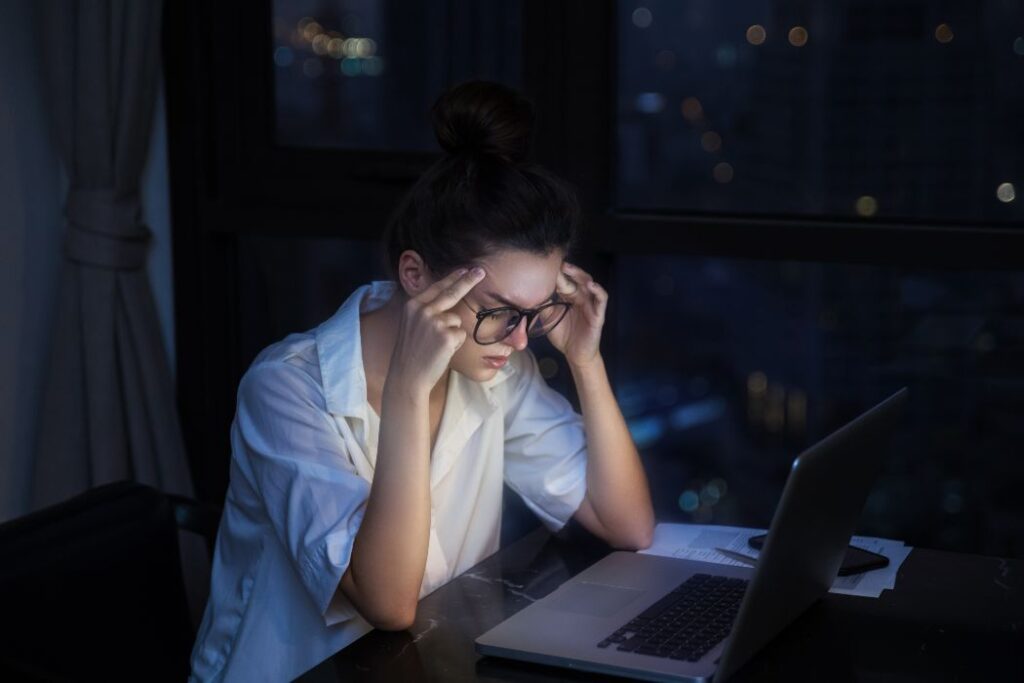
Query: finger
column 576, row 274
column 431, row 292
column 599, row 292
column 565, row 285
column 448, row 319
column 599, row 298
column 460, row 339
column 453, row 293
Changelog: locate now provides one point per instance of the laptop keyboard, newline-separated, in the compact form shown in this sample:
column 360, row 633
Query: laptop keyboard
column 686, row 623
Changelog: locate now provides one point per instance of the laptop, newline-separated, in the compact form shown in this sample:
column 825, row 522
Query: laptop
column 668, row 619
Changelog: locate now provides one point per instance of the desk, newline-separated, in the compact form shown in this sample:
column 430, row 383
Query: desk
column 952, row 617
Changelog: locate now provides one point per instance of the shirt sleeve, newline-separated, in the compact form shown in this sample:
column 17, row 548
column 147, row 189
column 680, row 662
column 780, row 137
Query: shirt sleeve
column 545, row 445
column 302, row 471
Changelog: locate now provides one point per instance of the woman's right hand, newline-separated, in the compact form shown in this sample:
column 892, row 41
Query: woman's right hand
column 429, row 332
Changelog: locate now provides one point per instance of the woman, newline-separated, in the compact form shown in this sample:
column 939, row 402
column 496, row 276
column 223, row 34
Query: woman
column 368, row 455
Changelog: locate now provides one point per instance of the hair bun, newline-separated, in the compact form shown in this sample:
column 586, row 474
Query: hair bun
column 482, row 117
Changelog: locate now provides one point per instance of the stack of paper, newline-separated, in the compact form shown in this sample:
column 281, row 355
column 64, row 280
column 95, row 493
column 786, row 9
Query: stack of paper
column 698, row 542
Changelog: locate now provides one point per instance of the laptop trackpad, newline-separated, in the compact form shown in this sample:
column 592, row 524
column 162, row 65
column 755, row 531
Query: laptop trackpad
column 594, row 599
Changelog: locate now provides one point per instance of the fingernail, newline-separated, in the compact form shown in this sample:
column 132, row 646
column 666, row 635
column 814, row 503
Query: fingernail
column 463, row 271
column 478, row 271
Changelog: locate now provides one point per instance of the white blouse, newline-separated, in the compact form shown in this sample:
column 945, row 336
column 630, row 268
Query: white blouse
column 304, row 445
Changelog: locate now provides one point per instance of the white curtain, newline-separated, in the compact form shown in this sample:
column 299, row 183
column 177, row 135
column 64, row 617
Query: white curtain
column 33, row 186
column 108, row 411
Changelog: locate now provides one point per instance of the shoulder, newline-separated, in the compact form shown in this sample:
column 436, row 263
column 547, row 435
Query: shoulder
column 298, row 350
column 288, row 368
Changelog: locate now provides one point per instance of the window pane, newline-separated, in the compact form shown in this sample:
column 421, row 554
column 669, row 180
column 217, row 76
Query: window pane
column 362, row 74
column 858, row 109
column 727, row 369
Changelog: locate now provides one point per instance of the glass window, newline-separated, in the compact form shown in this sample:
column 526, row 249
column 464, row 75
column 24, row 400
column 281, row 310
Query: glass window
column 726, row 369
column 362, row 74
column 857, row 109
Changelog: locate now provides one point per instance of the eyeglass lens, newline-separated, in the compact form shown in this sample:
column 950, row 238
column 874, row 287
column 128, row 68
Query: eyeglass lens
column 501, row 323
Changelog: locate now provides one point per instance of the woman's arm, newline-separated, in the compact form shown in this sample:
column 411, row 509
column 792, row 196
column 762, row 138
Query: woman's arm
column 390, row 550
column 617, row 506
column 389, row 554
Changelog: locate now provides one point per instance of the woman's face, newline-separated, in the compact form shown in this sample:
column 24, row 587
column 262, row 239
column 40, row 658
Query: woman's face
column 511, row 277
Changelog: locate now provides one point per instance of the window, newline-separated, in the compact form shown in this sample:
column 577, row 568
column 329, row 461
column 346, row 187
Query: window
column 362, row 74
column 861, row 110
column 728, row 368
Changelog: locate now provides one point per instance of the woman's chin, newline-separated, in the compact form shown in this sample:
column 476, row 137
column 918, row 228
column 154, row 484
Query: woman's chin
column 479, row 372
column 484, row 374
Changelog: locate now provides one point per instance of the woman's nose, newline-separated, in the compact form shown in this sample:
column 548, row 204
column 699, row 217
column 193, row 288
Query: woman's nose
column 518, row 338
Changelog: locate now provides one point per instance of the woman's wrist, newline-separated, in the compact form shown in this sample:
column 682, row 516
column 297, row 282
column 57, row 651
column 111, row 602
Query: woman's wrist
column 397, row 389
column 583, row 370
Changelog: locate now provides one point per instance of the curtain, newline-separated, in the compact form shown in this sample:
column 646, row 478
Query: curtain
column 31, row 192
column 108, row 410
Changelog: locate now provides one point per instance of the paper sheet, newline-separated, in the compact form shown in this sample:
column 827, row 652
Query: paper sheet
column 698, row 542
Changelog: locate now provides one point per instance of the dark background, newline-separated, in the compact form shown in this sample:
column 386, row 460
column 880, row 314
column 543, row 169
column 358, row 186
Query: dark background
column 790, row 228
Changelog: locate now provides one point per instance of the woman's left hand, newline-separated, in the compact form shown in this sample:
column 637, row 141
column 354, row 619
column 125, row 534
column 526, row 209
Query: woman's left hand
column 578, row 336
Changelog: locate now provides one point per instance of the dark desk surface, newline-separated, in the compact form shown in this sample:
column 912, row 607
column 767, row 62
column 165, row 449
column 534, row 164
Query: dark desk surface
column 952, row 617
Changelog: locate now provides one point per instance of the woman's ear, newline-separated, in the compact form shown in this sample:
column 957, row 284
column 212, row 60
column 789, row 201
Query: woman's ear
column 413, row 274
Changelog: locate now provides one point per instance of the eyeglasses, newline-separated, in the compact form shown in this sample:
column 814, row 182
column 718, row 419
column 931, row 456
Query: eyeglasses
column 494, row 324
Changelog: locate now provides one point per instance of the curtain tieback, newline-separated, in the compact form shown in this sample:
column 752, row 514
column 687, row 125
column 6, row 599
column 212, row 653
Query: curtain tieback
column 105, row 231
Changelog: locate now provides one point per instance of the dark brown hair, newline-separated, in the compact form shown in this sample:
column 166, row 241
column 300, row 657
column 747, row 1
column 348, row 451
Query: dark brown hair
column 483, row 194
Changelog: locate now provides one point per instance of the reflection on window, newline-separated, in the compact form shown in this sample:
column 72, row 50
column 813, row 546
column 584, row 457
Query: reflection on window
column 727, row 369
column 858, row 109
column 362, row 74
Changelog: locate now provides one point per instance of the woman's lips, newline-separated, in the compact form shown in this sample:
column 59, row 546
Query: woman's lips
column 496, row 361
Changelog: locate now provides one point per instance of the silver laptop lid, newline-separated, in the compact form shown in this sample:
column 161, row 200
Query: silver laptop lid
column 812, row 525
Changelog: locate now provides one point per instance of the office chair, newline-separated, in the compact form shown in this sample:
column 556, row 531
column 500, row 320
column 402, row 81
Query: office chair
column 92, row 588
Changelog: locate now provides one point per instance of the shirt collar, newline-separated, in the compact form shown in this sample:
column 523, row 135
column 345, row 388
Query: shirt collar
column 340, row 351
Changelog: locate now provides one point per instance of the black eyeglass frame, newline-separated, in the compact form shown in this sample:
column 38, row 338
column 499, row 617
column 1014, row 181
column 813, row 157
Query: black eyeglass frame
column 528, row 313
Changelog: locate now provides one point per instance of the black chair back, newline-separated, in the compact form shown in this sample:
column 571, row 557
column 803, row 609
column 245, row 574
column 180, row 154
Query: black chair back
column 92, row 589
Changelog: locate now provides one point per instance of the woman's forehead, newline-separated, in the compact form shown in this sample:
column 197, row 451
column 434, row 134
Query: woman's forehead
column 520, row 277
